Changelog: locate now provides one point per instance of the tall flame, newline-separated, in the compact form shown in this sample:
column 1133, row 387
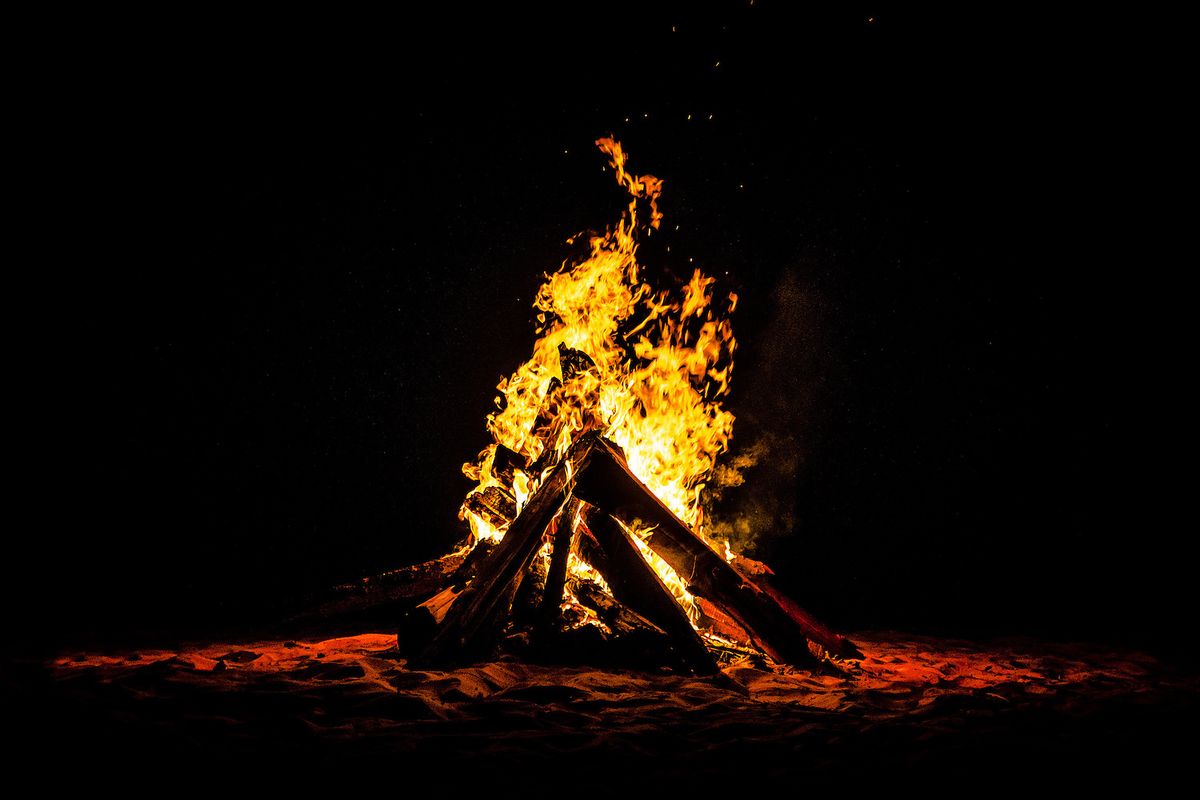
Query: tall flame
column 647, row 368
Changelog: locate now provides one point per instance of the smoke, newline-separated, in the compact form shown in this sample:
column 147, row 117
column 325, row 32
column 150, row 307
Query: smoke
column 762, row 477
column 779, row 386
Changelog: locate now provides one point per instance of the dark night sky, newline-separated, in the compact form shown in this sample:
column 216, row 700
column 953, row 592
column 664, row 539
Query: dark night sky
column 299, row 265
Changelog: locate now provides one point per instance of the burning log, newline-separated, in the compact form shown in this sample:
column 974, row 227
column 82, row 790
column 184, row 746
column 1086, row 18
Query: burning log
column 622, row 620
column 619, row 637
column 493, row 504
column 556, row 575
column 637, row 586
column 527, row 602
column 471, row 626
column 418, row 625
column 505, row 463
column 609, row 484
column 572, row 362
column 720, row 623
column 760, row 574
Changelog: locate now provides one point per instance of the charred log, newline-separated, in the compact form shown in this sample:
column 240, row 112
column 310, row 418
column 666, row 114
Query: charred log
column 527, row 604
column 494, row 505
column 609, row 484
column 572, row 362
column 418, row 625
column 414, row 580
column 505, row 463
column 637, row 586
column 373, row 601
column 471, row 564
column 630, row 642
column 556, row 576
column 471, row 626
column 618, row 618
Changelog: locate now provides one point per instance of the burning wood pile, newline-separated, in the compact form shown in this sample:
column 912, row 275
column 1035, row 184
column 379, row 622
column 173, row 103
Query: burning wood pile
column 578, row 512
column 588, row 508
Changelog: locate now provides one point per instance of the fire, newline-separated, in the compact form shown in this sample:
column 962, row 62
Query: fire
column 648, row 368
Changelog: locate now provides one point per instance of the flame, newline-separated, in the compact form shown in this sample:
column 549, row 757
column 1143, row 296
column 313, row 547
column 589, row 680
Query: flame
column 647, row 368
column 675, row 584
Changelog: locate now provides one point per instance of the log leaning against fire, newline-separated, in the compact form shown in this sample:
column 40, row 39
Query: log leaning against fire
column 637, row 586
column 560, row 556
column 777, row 624
column 472, row 623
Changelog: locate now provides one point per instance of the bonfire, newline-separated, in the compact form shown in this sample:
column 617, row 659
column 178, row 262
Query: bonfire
column 587, row 510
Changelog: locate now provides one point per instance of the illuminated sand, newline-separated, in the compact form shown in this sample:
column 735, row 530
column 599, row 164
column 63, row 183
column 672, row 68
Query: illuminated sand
column 912, row 702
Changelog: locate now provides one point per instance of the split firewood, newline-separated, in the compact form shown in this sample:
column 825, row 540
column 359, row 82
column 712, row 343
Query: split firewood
column 418, row 625
column 493, row 504
column 472, row 624
column 637, row 586
column 720, row 623
column 560, row 555
column 761, row 575
column 609, row 484
column 527, row 602
column 505, row 463
column 620, row 619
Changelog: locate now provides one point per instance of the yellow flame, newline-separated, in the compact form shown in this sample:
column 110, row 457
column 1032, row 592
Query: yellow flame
column 675, row 584
column 660, row 362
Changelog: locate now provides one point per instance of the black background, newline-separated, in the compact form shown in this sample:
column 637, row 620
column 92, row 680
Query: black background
column 292, row 267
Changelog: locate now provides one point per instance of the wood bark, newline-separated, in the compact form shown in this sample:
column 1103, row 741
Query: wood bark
column 473, row 623
column 635, row 584
column 556, row 576
column 622, row 620
column 609, row 484
column 373, row 602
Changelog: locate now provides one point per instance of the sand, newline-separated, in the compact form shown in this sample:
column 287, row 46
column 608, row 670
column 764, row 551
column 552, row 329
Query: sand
column 914, row 709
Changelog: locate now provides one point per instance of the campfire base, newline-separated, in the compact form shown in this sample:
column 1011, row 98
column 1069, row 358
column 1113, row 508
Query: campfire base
column 500, row 598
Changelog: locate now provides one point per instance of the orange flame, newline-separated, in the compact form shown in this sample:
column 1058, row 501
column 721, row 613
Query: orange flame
column 646, row 368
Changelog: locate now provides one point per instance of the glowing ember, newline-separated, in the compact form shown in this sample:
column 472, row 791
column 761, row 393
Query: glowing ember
column 647, row 368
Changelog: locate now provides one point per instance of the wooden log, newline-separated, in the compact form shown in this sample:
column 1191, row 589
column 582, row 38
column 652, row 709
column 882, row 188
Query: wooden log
column 527, row 604
column 627, row 641
column 372, row 602
column 423, row 578
column 505, row 463
column 609, row 484
column 493, row 504
column 760, row 575
column 720, row 623
column 418, row 625
column 620, row 619
column 588, row 548
column 556, row 576
column 472, row 625
column 471, row 564
column 635, row 584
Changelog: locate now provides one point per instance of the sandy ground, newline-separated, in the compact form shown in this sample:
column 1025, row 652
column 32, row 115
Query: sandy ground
column 932, row 711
